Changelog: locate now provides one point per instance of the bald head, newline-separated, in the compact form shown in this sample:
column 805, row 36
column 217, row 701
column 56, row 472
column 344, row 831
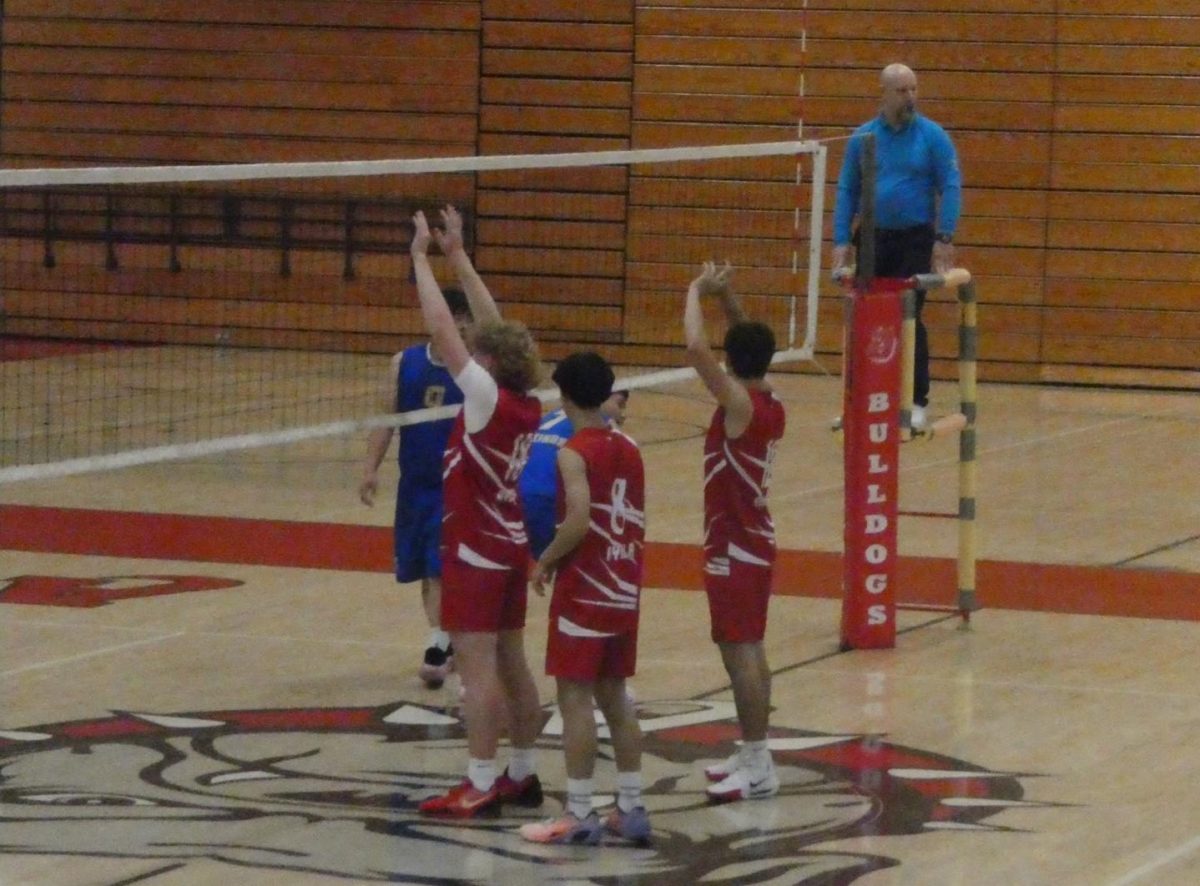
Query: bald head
column 896, row 73
column 899, row 101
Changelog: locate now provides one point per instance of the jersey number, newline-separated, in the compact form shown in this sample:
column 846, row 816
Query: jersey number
column 520, row 455
column 616, row 519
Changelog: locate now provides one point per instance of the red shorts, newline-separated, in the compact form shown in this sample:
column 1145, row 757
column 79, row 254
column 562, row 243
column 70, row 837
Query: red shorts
column 483, row 600
column 737, row 599
column 588, row 659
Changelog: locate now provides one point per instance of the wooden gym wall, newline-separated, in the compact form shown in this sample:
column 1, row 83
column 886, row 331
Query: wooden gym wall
column 1076, row 123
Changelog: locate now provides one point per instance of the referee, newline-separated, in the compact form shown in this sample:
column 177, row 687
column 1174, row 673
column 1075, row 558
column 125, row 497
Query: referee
column 918, row 195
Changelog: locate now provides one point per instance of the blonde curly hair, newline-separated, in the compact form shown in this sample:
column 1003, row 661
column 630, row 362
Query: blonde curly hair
column 518, row 366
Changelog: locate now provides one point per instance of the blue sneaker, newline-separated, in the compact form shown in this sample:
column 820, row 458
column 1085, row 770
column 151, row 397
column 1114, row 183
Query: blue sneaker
column 633, row 825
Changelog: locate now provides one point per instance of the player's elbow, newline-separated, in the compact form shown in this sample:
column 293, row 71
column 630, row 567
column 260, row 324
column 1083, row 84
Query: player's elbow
column 696, row 351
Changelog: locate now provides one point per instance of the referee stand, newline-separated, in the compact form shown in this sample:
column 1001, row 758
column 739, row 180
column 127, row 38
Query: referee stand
column 880, row 337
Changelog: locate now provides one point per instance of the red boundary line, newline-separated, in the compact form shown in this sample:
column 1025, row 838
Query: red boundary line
column 14, row 348
column 1090, row 590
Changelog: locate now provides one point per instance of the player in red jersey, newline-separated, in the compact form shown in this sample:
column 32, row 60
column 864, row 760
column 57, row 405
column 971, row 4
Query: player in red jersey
column 596, row 559
column 739, row 536
column 484, row 551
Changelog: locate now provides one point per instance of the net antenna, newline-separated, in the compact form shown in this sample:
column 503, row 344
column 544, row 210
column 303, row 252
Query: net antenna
column 865, row 268
column 816, row 211
column 146, row 243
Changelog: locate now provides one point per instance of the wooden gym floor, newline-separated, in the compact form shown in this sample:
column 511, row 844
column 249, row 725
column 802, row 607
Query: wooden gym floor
column 207, row 673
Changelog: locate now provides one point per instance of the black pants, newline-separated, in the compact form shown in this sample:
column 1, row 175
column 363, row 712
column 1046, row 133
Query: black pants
column 902, row 252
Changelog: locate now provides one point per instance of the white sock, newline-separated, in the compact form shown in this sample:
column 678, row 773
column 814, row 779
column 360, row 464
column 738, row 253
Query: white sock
column 579, row 797
column 756, row 756
column 440, row 639
column 522, row 764
column 629, row 790
column 482, row 773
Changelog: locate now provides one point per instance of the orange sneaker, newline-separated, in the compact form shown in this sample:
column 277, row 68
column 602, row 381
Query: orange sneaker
column 568, row 829
column 463, row 801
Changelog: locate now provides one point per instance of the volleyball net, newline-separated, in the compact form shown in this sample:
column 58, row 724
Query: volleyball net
column 152, row 313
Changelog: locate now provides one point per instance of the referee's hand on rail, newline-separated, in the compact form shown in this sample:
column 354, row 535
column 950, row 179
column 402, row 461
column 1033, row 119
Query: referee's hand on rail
column 843, row 261
column 943, row 257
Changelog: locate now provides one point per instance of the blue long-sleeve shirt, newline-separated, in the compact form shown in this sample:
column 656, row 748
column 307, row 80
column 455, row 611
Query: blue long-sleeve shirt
column 913, row 166
column 540, row 474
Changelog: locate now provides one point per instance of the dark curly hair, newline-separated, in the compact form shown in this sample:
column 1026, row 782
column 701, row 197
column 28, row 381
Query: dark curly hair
column 749, row 347
column 585, row 378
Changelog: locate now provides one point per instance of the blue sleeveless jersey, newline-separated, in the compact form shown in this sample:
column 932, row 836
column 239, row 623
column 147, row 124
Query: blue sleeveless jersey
column 540, row 476
column 422, row 384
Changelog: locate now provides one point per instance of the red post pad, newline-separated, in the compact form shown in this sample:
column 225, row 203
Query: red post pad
column 871, row 428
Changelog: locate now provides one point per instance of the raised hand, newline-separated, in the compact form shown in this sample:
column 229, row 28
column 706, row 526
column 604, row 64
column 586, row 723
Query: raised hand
column 421, row 237
column 714, row 279
column 720, row 277
column 450, row 237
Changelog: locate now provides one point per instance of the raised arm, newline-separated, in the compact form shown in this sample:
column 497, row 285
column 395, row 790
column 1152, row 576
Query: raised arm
column 730, row 394
column 734, row 312
column 450, row 239
column 438, row 319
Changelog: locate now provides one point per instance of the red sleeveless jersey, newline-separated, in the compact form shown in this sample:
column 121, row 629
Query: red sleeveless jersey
column 482, row 524
column 598, row 585
column 737, row 475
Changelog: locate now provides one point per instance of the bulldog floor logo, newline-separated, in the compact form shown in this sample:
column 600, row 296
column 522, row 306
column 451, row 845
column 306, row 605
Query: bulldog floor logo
column 335, row 791
column 89, row 593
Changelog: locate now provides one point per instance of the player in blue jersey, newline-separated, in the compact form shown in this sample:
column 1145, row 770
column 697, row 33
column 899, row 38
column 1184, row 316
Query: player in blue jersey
column 918, row 196
column 420, row 380
column 538, row 485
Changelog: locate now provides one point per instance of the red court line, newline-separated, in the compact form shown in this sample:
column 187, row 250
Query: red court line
column 338, row 546
column 1090, row 590
column 17, row 348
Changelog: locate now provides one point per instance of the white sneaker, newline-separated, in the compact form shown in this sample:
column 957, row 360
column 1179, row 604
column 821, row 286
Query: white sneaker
column 744, row 785
column 718, row 772
column 918, row 420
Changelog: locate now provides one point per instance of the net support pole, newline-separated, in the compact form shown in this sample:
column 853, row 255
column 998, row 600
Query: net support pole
column 962, row 422
column 865, row 261
column 908, row 362
column 870, row 411
column 967, row 357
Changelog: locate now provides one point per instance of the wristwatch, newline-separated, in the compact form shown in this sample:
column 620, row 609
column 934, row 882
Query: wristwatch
column 945, row 238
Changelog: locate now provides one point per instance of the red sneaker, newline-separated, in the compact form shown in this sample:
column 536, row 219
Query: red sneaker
column 463, row 801
column 526, row 793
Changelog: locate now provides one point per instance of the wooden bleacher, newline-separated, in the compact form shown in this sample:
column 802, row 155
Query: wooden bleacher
column 1075, row 128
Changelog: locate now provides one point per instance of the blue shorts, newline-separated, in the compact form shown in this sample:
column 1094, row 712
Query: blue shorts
column 418, row 533
column 539, row 521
